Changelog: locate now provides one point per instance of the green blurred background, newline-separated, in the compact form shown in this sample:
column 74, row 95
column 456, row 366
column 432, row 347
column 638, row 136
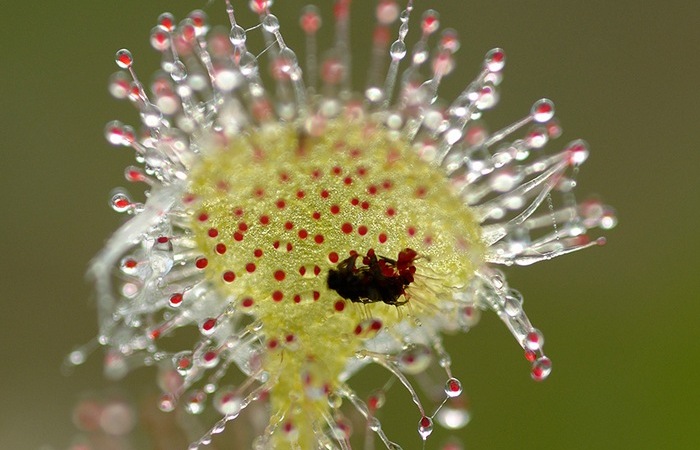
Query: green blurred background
column 621, row 322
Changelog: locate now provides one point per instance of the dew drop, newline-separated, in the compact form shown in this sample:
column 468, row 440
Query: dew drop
column 219, row 427
column 488, row 98
column 120, row 202
column 470, row 316
column 541, row 368
column 397, row 50
column 387, row 12
column 196, row 402
column 166, row 21
column 124, row 59
column 415, row 359
column 160, row 40
column 151, row 116
column 248, row 64
column 260, row 6
column 310, row 20
column 453, row 387
column 542, row 110
column 119, row 85
column 537, row 138
column 335, row 401
column 270, row 23
column 425, row 427
column 534, row 340
column 237, row 36
column 495, row 60
column 578, row 152
column 183, row 362
column 374, row 424
column 208, row 326
column 76, row 357
column 199, row 21
column 178, row 71
column 167, row 403
column 512, row 304
column 114, row 132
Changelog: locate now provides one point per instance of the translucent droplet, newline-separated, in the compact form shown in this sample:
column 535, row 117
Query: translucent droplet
column 537, row 137
column 387, row 12
column 534, row 340
column 183, row 362
column 575, row 227
column 453, row 387
column 335, row 401
column 425, row 427
column 578, row 151
column 199, row 21
column 430, row 21
column 541, row 368
column 161, row 256
column 420, row 53
column 167, row 403
column 415, row 359
column 208, row 359
column 453, row 135
column 120, row 202
column 114, row 132
column 76, row 357
column 374, row 424
column 495, row 60
column 504, row 180
column 512, row 306
column 310, row 20
column 608, row 219
column 219, row 427
column 151, row 116
column 287, row 60
column 196, row 402
column 119, row 85
column 397, row 50
column 270, row 23
column 208, row 327
column 449, row 41
column 374, row 94
column 178, row 71
column 160, row 39
column 260, row 6
column 376, row 400
column 248, row 64
column 166, row 21
column 237, row 36
column 470, row 316
column 124, row 59
column 542, row 110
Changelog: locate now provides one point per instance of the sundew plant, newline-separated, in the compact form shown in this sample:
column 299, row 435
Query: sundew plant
column 295, row 230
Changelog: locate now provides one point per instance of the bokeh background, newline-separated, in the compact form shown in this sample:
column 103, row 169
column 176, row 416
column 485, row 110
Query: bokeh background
column 621, row 322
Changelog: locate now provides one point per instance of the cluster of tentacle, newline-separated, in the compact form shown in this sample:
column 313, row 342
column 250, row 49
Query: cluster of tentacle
column 305, row 232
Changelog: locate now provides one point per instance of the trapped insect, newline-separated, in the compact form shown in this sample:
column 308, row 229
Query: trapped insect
column 379, row 279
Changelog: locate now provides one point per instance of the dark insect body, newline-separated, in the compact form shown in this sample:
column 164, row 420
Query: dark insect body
column 377, row 279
